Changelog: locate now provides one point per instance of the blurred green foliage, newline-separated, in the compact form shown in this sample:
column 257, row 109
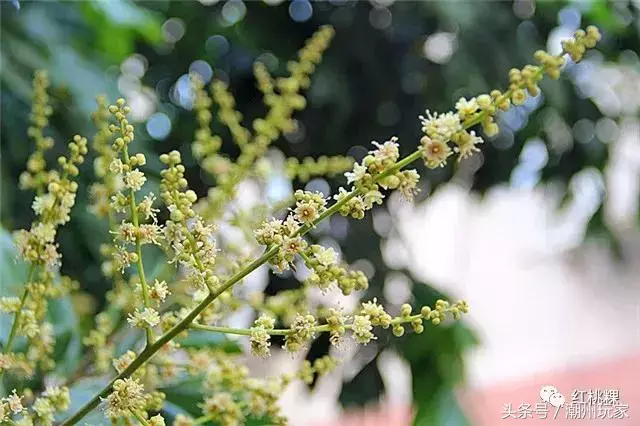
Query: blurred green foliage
column 373, row 83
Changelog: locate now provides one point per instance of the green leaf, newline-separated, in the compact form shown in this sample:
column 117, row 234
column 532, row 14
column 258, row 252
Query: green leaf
column 364, row 388
column 81, row 392
column 60, row 312
column 436, row 358
column 13, row 275
column 187, row 395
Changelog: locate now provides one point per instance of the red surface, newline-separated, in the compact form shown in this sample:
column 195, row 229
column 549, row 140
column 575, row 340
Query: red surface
column 485, row 407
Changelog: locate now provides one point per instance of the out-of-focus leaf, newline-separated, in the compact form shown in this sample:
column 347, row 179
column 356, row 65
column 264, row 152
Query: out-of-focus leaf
column 364, row 388
column 13, row 275
column 187, row 395
column 170, row 411
column 68, row 341
column 125, row 13
column 81, row 392
column 437, row 365
column 60, row 313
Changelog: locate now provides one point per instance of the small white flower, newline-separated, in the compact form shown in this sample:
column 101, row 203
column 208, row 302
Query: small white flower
column 326, row 256
column 362, row 329
column 159, row 291
column 134, row 179
column 386, row 151
column 358, row 173
column 42, row 203
column 147, row 318
column 466, row 107
column 116, row 166
column 441, row 127
column 15, row 403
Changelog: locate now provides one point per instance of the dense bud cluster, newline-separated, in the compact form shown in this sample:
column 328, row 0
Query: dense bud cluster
column 36, row 176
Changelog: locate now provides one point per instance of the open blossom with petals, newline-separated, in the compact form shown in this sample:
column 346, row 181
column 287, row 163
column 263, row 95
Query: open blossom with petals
column 127, row 394
column 15, row 403
column 326, row 256
column 116, row 166
column 362, row 329
column 408, row 184
column 145, row 207
column 358, row 173
column 441, row 127
column 386, row 151
column 149, row 317
column 467, row 144
column 435, row 152
column 134, row 179
column 43, row 203
column 159, row 291
column 466, row 107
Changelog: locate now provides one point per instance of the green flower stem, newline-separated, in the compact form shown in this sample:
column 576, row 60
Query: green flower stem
column 202, row 419
column 140, row 418
column 139, row 265
column 16, row 319
column 287, row 331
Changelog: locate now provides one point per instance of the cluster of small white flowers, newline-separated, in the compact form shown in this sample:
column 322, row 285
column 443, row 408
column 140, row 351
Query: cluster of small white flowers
column 302, row 330
column 361, row 328
column 260, row 338
column 440, row 126
column 309, row 206
column 187, row 235
column 10, row 405
column 148, row 317
column 127, row 395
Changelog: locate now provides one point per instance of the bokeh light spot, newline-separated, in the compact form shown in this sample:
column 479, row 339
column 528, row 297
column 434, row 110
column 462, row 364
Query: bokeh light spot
column 269, row 60
column 318, row 185
column 300, row 10
column 173, row 29
column 233, row 11
column 134, row 66
column 217, row 46
column 439, row 47
column 380, row 18
column 203, row 69
column 159, row 126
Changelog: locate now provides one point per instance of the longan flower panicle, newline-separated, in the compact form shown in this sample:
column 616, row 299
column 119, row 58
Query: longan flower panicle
column 442, row 129
column 38, row 248
column 132, row 233
column 205, row 145
column 230, row 395
column 187, row 235
column 15, row 408
column 36, row 176
column 108, row 183
column 282, row 99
